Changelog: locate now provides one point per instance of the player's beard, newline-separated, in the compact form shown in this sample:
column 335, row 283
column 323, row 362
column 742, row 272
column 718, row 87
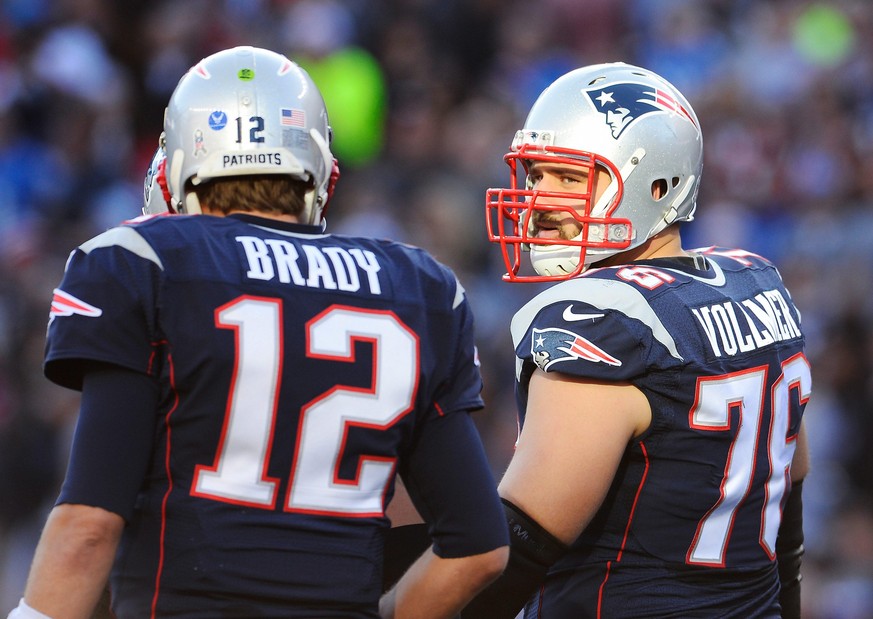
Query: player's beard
column 556, row 226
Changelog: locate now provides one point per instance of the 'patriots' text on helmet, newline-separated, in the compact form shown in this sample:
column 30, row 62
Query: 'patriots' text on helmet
column 246, row 111
column 619, row 118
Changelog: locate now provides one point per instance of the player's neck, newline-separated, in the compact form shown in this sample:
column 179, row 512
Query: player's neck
column 665, row 244
column 265, row 214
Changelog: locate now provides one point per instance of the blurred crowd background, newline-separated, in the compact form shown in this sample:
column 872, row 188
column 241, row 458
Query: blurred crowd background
column 424, row 97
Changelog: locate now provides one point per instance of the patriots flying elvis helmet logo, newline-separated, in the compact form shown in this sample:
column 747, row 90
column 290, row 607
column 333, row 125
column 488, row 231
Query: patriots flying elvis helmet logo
column 624, row 103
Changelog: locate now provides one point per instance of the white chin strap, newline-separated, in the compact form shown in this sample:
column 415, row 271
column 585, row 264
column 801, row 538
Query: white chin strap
column 317, row 197
column 552, row 260
column 192, row 204
column 672, row 213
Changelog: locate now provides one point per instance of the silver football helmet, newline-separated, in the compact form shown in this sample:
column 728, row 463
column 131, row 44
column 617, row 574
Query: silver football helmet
column 247, row 111
column 623, row 119
column 155, row 193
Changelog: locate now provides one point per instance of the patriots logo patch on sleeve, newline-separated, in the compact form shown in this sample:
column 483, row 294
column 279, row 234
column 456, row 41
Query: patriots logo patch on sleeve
column 553, row 345
column 64, row 304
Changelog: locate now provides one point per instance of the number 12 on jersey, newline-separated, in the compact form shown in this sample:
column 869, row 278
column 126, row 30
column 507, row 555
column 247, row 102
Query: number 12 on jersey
column 239, row 472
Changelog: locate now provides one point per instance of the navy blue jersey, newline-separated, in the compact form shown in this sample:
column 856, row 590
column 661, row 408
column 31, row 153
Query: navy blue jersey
column 296, row 371
column 688, row 527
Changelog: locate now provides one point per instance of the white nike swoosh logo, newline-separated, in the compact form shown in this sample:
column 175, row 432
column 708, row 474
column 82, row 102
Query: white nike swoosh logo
column 571, row 316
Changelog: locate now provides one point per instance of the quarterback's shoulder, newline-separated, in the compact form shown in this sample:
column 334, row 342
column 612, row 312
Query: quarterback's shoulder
column 125, row 237
column 144, row 235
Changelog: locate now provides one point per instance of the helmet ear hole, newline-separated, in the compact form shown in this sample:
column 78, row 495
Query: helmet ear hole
column 659, row 187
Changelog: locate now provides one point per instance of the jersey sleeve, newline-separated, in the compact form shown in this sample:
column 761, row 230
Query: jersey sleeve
column 100, row 311
column 450, row 482
column 112, row 444
column 462, row 387
column 590, row 328
column 603, row 347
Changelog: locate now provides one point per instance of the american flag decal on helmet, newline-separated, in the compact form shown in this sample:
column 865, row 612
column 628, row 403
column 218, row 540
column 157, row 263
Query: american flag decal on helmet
column 64, row 304
column 292, row 117
column 553, row 345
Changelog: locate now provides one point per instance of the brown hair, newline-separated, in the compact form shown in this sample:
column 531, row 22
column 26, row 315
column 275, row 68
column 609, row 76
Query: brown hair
column 265, row 193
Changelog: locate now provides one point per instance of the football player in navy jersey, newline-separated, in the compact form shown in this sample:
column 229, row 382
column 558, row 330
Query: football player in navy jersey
column 251, row 385
column 658, row 467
